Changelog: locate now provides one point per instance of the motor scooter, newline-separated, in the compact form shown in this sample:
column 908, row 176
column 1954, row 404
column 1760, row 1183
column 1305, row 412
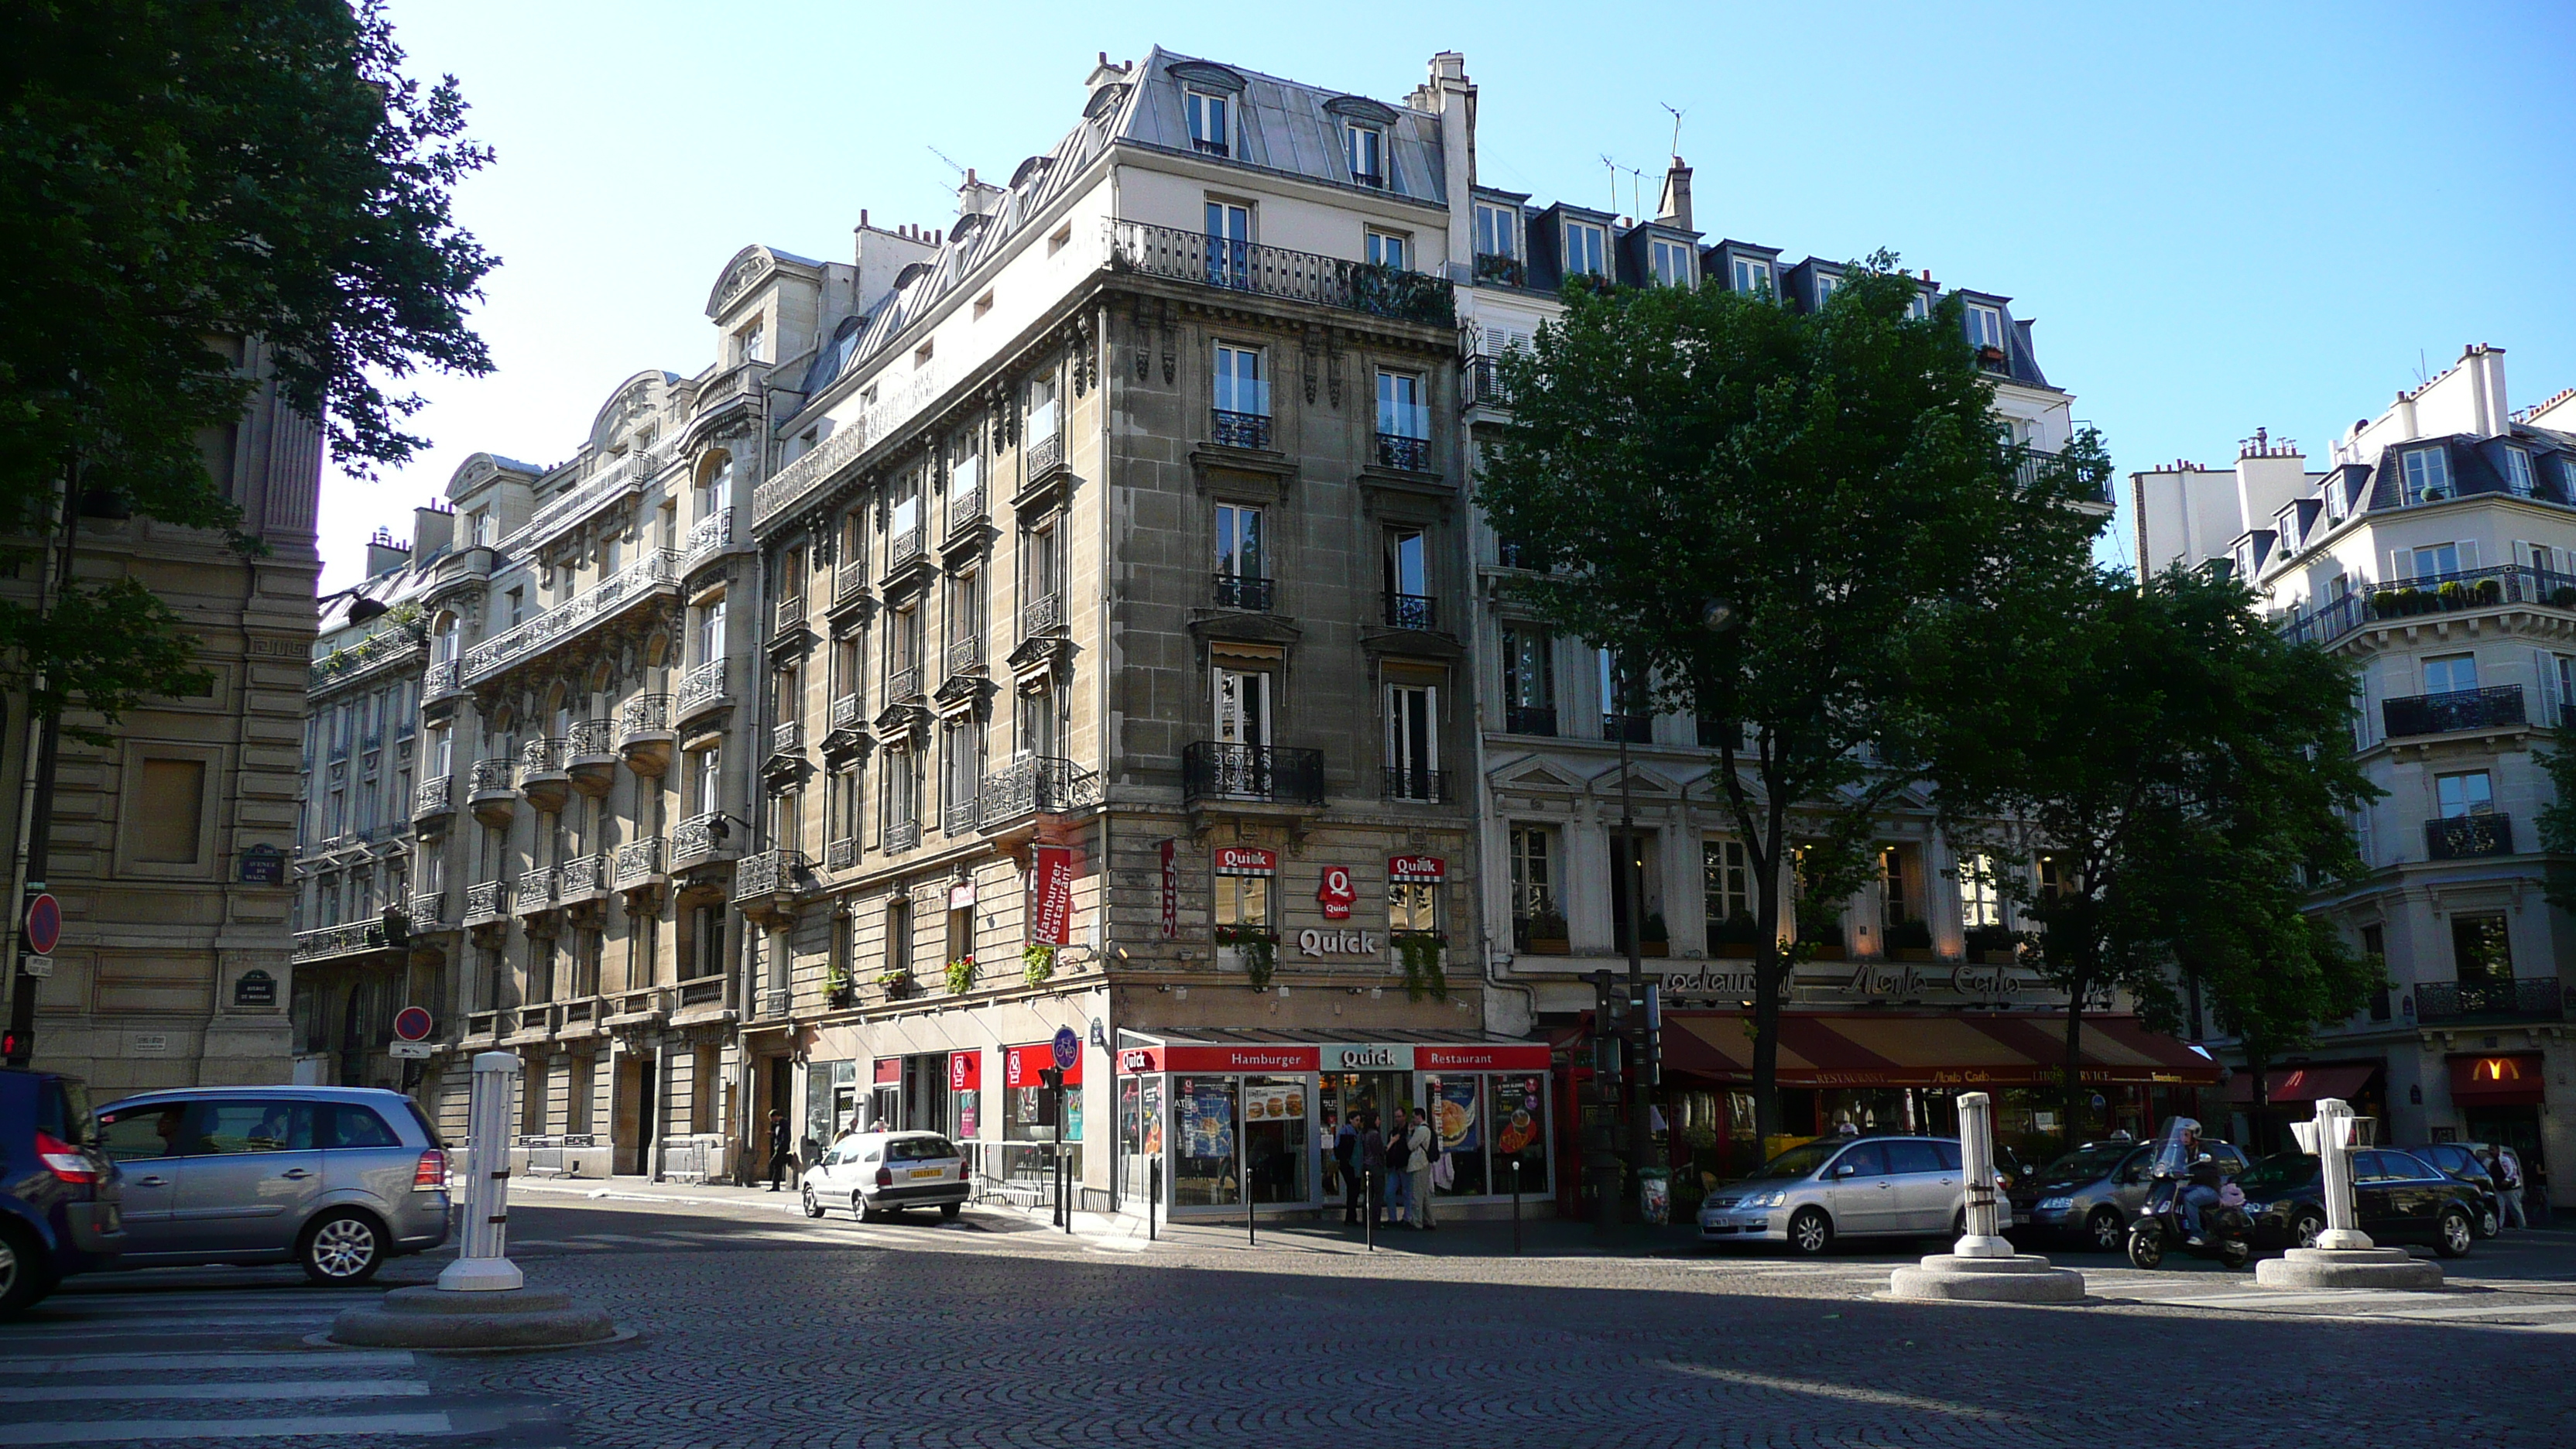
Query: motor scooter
column 2226, row 1232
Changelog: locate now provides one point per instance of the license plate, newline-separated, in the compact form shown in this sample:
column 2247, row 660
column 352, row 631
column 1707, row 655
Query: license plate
column 929, row 1172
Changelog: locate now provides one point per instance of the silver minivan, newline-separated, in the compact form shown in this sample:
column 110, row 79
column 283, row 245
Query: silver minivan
column 1845, row 1187
column 337, row 1179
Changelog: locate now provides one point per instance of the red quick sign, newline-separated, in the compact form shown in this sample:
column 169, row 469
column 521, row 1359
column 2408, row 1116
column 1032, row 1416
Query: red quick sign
column 965, row 1071
column 1196, row 1058
column 1021, row 1065
column 1335, row 893
column 1417, row 869
column 1246, row 860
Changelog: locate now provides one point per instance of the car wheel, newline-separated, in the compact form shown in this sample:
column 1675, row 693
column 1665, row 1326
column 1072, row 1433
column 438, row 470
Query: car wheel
column 859, row 1207
column 948, row 1211
column 1810, row 1232
column 23, row 1278
column 2452, row 1238
column 2305, row 1229
column 813, row 1205
column 2488, row 1224
column 2105, row 1229
column 343, row 1247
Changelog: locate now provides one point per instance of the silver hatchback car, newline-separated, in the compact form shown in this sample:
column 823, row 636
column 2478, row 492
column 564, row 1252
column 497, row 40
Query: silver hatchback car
column 1847, row 1187
column 337, row 1179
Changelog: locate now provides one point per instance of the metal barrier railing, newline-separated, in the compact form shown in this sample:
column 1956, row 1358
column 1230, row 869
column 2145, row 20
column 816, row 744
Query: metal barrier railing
column 546, row 1154
column 693, row 1157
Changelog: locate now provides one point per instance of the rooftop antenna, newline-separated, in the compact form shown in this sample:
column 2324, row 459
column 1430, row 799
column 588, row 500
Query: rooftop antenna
column 1613, row 168
column 942, row 155
column 1677, row 128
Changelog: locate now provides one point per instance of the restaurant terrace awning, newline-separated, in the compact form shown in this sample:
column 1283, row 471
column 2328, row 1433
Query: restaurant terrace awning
column 2337, row 1080
column 1896, row 1049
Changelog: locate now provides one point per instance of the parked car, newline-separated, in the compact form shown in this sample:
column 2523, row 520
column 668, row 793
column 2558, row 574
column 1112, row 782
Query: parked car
column 337, row 1179
column 876, row 1174
column 2462, row 1161
column 2397, row 1196
column 1844, row 1187
column 58, row 1195
column 2091, row 1195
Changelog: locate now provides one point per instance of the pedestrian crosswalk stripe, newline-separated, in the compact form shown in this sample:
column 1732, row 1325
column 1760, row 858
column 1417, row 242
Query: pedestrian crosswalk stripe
column 160, row 1306
column 77, row 1328
column 118, row 1363
column 2488, row 1309
column 299, row 1389
column 128, row 1431
column 2261, row 1299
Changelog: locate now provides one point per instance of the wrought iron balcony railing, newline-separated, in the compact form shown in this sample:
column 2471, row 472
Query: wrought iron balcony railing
column 340, row 940
column 787, row 617
column 583, row 875
column 2466, row 837
column 1636, row 729
column 1395, row 450
column 959, row 817
column 1239, row 430
column 1529, row 719
column 638, row 861
column 905, row 549
column 1380, row 291
column 543, row 757
column 496, row 776
column 902, row 835
column 1213, row 769
column 1035, row 783
column 488, row 901
column 1045, row 453
column 965, row 508
column 770, row 872
column 698, row 838
column 439, row 680
column 965, row 654
column 850, row 575
column 1484, row 383
column 428, row 908
column 645, row 714
column 841, row 854
column 655, row 570
column 1403, row 782
column 1410, row 611
column 433, row 797
column 2537, row 998
column 787, row 737
column 2457, row 709
column 2092, row 480
column 1242, row 591
column 709, row 534
column 903, row 684
column 703, row 684
column 536, row 889
column 590, row 738
column 847, row 711
column 2432, row 594
column 1041, row 615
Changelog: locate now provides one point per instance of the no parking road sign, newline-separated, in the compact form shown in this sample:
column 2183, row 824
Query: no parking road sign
column 44, row 923
column 412, row 1023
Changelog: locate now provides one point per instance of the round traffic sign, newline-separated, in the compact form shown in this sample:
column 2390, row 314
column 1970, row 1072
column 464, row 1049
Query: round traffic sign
column 44, row 924
column 412, row 1023
column 1068, row 1048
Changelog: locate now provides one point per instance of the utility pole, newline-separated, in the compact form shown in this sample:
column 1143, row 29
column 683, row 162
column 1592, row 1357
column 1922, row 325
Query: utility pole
column 37, row 846
column 1641, row 1137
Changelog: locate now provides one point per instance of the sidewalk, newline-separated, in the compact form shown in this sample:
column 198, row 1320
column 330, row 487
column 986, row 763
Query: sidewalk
column 1540, row 1237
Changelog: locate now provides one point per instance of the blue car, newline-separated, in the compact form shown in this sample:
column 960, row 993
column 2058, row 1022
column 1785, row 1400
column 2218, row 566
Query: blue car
column 58, row 1193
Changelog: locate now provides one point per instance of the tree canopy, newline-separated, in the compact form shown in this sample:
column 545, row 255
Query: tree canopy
column 174, row 177
column 1777, row 518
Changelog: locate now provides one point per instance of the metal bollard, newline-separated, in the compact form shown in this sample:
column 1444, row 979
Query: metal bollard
column 1368, row 1215
column 483, row 1267
column 1516, row 1207
column 1153, row 1193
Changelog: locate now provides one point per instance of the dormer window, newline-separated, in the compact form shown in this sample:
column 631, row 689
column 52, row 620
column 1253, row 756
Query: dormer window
column 1389, row 249
column 1752, row 276
column 1497, row 231
column 2567, row 479
column 2335, row 505
column 1211, row 119
column 1585, row 246
column 1920, row 308
column 2427, row 473
column 747, row 343
column 1670, row 261
column 2517, row 473
column 1986, row 328
column 1367, row 146
column 1826, row 282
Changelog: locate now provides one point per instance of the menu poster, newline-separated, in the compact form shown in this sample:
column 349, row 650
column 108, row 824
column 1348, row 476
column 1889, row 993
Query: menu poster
column 1273, row 1104
column 1153, row 1110
column 1517, row 1104
column 1207, row 1122
column 1455, row 1110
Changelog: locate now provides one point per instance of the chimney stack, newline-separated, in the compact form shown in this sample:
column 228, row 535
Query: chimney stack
column 1676, row 205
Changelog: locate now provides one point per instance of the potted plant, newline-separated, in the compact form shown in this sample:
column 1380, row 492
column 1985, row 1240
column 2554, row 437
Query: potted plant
column 1737, row 930
column 1910, row 940
column 961, row 975
column 1037, row 963
column 2453, row 594
column 2490, row 591
column 1543, row 934
column 2563, row 596
column 897, row 981
column 1993, row 945
column 1419, row 953
column 1255, row 948
column 1827, row 939
column 838, row 992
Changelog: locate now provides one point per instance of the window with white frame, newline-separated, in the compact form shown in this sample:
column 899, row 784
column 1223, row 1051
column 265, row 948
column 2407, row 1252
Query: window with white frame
column 748, row 342
column 1229, row 244
column 1412, row 906
column 1752, row 276
column 1826, row 283
column 1210, row 123
column 1670, row 261
column 1497, row 231
column 1238, row 541
column 1535, row 908
column 1585, row 246
column 1980, row 903
column 1042, row 409
column 1390, row 249
column 1400, row 409
column 2517, row 473
column 1919, row 306
column 1367, row 151
column 1985, row 326
column 1413, row 741
column 2436, row 561
column 2450, row 673
column 2427, row 475
column 1727, row 885
column 2567, row 479
column 1242, row 392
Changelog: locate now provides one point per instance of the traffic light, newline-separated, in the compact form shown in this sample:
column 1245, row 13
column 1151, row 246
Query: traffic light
column 17, row 1048
column 1609, row 1009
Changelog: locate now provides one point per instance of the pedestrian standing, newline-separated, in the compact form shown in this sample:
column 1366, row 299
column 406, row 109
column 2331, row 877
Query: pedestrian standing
column 1342, row 1156
column 1372, row 1165
column 2506, row 1169
column 1421, row 1154
column 779, row 1143
column 1399, row 1172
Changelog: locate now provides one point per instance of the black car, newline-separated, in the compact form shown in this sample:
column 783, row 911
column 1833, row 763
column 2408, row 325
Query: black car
column 2399, row 1197
column 2454, row 1160
column 58, row 1193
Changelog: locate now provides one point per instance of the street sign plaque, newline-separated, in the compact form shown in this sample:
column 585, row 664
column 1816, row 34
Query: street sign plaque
column 408, row 1050
column 36, row 967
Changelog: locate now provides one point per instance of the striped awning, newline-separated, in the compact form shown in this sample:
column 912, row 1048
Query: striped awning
column 1895, row 1049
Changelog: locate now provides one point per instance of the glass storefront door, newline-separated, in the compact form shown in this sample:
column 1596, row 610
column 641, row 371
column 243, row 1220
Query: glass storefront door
column 1204, row 1165
column 1277, row 1152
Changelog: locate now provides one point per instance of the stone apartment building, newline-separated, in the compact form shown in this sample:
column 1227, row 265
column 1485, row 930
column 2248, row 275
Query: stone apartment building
column 2436, row 552
column 170, row 843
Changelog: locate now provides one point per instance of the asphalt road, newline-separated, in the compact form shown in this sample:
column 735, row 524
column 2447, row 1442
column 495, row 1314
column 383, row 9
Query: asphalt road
column 757, row 1327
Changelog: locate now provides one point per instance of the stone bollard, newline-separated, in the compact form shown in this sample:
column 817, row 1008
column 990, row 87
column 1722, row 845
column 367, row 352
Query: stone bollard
column 2344, row 1256
column 1983, row 1268
column 482, row 1301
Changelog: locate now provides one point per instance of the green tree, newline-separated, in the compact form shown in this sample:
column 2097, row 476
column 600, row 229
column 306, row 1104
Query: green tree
column 2164, row 773
column 1768, row 514
column 175, row 177
column 2556, row 821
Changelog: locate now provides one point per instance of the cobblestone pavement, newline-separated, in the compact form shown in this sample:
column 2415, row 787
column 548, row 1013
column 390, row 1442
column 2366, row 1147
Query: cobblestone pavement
column 760, row 1328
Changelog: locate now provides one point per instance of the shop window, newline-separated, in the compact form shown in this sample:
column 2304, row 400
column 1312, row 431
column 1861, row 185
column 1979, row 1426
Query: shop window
column 1140, row 1131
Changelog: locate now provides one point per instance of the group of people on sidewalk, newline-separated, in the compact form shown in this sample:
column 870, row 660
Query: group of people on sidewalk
column 1365, row 1151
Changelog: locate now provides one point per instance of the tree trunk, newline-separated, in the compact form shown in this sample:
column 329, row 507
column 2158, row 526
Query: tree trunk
column 2074, row 1057
column 2258, row 1122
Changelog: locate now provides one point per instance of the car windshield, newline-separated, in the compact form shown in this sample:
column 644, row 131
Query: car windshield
column 1797, row 1161
column 2092, row 1160
column 2278, row 1174
column 918, row 1149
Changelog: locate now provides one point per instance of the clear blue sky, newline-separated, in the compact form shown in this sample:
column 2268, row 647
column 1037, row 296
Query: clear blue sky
column 2221, row 217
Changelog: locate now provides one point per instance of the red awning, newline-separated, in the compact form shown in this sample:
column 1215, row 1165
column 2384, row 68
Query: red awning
column 1896, row 1049
column 2338, row 1080
column 2512, row 1079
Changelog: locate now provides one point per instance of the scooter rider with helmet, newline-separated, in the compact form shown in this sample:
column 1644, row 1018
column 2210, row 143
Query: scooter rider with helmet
column 2203, row 1188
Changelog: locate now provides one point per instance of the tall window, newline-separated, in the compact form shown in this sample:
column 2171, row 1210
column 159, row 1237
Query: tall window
column 2448, row 673
column 1387, row 249
column 1585, row 246
column 2436, row 561
column 1535, row 911
column 1229, row 244
column 1240, row 387
column 1045, row 562
column 903, row 652
column 747, row 343
column 1497, row 231
column 2427, row 474
column 1529, row 680
column 1208, row 123
column 711, row 632
column 903, row 516
column 1985, row 326
column 963, row 751
column 2481, row 949
column 1413, row 741
column 1242, row 707
column 1670, row 262
column 1752, row 275
column 902, row 794
column 2470, row 792
column 1240, row 582
column 1727, row 889
column 1894, row 907
column 844, row 805
column 709, row 782
column 713, row 485
column 1400, row 411
column 1042, row 724
column 1042, row 409
column 898, row 935
column 2517, row 473
column 1408, row 579
column 1623, row 693
column 965, row 469
column 1979, row 902
column 1244, row 901
column 1367, row 148
column 965, row 619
